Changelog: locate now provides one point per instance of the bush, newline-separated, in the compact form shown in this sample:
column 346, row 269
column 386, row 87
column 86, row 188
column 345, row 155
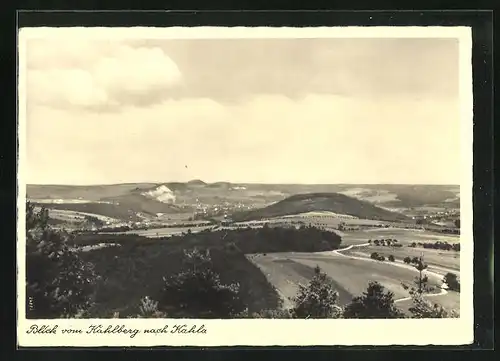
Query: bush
column 274, row 314
column 391, row 258
column 451, row 280
column 375, row 302
column 318, row 299
column 198, row 291
column 149, row 309
column 422, row 308
column 58, row 283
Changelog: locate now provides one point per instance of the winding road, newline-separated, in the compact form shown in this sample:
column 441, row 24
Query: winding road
column 442, row 292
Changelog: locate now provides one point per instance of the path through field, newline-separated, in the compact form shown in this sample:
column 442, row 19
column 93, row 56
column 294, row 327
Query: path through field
column 350, row 274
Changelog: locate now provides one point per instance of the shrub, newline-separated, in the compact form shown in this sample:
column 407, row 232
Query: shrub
column 198, row 291
column 275, row 314
column 375, row 302
column 451, row 280
column 318, row 299
column 391, row 258
column 149, row 309
column 422, row 308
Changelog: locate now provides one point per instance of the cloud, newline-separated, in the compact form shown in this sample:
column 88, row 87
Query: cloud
column 268, row 138
column 98, row 75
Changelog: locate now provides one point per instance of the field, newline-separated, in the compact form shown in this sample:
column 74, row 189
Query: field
column 443, row 259
column 350, row 276
column 164, row 232
column 404, row 236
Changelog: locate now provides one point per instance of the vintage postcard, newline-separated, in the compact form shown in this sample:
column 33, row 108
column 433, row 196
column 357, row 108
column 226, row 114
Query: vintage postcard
column 245, row 186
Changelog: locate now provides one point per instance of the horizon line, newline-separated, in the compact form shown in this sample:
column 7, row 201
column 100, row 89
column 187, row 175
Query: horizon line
column 240, row 183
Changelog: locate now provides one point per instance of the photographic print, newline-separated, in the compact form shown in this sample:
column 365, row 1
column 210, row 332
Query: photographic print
column 244, row 186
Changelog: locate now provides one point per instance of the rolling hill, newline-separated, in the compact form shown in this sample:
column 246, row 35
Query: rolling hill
column 123, row 201
column 310, row 202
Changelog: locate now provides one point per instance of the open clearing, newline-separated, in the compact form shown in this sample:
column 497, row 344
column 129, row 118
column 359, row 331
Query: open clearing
column 162, row 232
column 351, row 276
column 76, row 216
column 404, row 236
column 442, row 259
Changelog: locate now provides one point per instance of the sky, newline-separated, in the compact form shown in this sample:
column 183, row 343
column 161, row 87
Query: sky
column 317, row 111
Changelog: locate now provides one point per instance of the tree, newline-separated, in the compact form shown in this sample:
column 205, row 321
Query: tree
column 198, row 291
column 376, row 242
column 375, row 302
column 421, row 280
column 457, row 223
column 58, row 283
column 451, row 280
column 374, row 255
column 407, row 260
column 422, row 308
column 318, row 299
column 391, row 258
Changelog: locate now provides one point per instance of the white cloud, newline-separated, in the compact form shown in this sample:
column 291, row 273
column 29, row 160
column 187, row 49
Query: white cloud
column 320, row 139
column 96, row 74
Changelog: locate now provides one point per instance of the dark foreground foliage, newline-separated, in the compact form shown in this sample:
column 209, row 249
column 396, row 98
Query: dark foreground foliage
column 132, row 271
column 375, row 302
column 58, row 282
column 197, row 291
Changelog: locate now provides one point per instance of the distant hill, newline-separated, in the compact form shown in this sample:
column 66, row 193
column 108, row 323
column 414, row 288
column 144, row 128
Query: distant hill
column 124, row 200
column 309, row 202
column 196, row 182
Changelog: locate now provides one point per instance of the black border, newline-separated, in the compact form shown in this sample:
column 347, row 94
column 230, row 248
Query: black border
column 480, row 21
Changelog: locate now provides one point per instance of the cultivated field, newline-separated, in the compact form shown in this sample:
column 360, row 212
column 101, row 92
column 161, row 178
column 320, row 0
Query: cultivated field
column 351, row 276
column 404, row 236
column 162, row 232
column 75, row 216
column 443, row 259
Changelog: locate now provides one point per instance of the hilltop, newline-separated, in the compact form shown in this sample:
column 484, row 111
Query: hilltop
column 310, row 202
column 125, row 201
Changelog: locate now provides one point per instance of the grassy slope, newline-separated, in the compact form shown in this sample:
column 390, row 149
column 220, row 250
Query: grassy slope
column 333, row 202
column 108, row 210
